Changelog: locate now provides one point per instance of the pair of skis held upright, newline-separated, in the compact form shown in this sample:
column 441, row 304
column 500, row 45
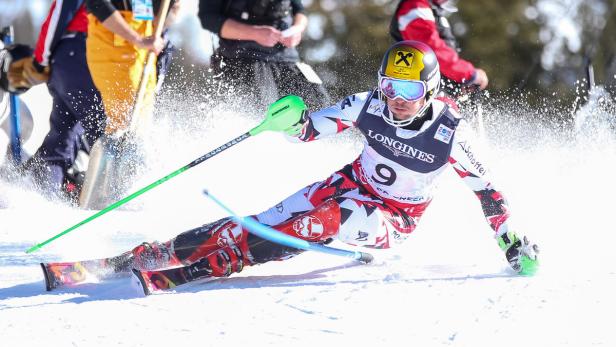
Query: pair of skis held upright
column 70, row 274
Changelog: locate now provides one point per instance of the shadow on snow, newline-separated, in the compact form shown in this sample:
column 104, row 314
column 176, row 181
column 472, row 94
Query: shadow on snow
column 126, row 287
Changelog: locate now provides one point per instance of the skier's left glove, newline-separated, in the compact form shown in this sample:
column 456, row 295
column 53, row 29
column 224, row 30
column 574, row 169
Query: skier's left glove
column 296, row 129
column 521, row 253
column 287, row 115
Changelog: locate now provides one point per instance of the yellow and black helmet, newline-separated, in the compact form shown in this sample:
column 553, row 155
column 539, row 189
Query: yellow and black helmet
column 409, row 71
column 413, row 61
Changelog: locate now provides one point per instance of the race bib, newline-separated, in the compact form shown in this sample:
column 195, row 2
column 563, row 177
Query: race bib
column 143, row 9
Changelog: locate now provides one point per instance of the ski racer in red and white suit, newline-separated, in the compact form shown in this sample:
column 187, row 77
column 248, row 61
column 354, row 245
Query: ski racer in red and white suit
column 384, row 192
column 376, row 201
column 410, row 139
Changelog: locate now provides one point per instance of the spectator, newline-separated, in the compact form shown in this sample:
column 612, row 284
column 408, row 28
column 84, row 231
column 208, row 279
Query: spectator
column 118, row 43
column 77, row 118
column 120, row 38
column 257, row 56
column 425, row 21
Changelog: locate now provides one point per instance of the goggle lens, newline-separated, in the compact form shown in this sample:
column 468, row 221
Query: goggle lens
column 407, row 90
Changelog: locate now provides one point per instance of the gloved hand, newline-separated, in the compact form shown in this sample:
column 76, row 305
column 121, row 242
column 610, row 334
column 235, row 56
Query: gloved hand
column 33, row 74
column 287, row 114
column 12, row 60
column 480, row 79
column 296, row 129
column 520, row 253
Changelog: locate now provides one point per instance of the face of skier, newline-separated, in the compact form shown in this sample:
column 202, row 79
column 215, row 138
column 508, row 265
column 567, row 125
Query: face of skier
column 403, row 110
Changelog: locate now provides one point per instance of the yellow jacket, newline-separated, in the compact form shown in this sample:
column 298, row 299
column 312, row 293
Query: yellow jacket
column 116, row 66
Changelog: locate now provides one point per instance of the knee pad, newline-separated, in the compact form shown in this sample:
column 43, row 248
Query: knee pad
column 316, row 225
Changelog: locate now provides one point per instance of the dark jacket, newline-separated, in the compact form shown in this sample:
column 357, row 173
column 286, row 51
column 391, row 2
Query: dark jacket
column 276, row 13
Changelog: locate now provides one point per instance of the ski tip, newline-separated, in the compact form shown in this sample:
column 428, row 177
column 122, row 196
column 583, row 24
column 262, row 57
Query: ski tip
column 139, row 276
column 48, row 282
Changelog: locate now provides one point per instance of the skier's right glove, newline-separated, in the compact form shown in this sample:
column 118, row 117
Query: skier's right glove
column 520, row 253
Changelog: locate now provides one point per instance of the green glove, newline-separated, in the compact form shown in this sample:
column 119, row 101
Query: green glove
column 296, row 129
column 520, row 253
column 284, row 115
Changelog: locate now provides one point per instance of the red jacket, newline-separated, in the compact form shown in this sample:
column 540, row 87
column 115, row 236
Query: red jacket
column 414, row 20
column 70, row 16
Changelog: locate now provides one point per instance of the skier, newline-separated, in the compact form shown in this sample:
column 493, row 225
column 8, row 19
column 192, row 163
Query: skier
column 376, row 201
column 425, row 21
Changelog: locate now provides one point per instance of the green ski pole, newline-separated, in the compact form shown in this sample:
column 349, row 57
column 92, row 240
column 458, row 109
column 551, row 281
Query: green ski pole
column 281, row 115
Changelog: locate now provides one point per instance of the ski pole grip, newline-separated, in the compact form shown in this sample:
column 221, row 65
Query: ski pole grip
column 282, row 114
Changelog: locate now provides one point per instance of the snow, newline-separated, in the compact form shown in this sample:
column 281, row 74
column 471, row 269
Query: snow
column 448, row 285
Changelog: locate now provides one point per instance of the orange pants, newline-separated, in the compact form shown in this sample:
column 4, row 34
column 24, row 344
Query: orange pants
column 116, row 66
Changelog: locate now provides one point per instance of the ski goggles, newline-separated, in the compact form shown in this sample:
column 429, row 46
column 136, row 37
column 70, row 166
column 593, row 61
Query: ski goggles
column 394, row 88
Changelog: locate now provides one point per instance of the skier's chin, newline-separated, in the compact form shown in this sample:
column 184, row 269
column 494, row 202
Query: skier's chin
column 403, row 110
column 401, row 113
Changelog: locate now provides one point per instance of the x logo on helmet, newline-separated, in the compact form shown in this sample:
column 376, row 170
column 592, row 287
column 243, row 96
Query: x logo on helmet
column 403, row 57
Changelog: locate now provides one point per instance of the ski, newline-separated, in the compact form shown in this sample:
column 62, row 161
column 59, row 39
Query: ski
column 157, row 281
column 61, row 274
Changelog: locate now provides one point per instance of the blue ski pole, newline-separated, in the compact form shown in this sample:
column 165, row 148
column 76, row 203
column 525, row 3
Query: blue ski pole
column 14, row 102
column 15, row 130
column 273, row 235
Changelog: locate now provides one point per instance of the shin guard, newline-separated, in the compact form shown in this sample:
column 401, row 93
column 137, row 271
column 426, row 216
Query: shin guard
column 221, row 247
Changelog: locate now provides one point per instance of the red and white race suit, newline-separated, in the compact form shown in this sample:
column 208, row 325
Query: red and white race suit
column 384, row 192
column 376, row 201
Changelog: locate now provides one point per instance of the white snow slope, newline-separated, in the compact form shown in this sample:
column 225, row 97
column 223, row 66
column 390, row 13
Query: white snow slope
column 449, row 285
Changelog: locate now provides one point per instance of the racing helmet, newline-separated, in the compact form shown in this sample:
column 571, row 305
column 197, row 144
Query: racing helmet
column 409, row 71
